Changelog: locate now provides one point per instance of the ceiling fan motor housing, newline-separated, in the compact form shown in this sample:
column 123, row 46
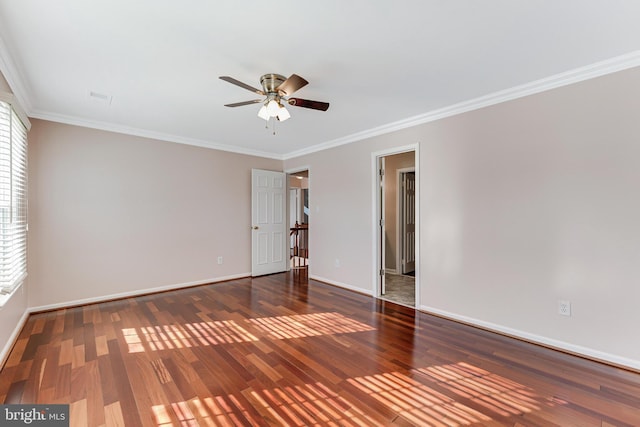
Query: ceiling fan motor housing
column 270, row 82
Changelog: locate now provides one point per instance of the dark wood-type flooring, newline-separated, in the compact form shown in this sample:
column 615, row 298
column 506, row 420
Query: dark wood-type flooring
column 273, row 351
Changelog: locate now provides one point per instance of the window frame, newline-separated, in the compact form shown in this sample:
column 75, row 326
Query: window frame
column 14, row 126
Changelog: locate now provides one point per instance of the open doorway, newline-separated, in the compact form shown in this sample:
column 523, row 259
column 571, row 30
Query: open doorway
column 406, row 230
column 396, row 234
column 299, row 220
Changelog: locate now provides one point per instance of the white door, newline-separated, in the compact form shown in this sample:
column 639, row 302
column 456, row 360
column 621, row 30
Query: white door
column 268, row 228
column 408, row 222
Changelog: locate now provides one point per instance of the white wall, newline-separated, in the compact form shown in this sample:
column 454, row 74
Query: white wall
column 522, row 204
column 112, row 214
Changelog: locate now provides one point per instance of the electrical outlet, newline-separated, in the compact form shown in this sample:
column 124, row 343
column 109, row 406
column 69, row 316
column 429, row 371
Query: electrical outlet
column 337, row 263
column 219, row 260
column 564, row 308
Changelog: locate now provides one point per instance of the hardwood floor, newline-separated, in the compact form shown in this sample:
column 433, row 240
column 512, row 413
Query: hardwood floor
column 279, row 351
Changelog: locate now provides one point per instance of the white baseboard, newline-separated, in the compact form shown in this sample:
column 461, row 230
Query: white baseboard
column 13, row 338
column 341, row 285
column 538, row 339
column 135, row 293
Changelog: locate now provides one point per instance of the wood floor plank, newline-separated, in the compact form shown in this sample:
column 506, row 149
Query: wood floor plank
column 147, row 389
column 277, row 350
column 123, row 388
column 63, row 385
column 78, row 356
column 15, row 356
column 113, row 415
column 108, row 382
column 78, row 413
column 95, row 401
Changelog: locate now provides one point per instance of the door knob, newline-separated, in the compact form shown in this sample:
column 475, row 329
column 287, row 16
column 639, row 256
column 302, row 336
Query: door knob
column 255, row 227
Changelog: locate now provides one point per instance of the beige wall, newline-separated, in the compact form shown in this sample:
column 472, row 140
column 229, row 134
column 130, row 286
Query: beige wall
column 522, row 204
column 298, row 183
column 112, row 214
column 4, row 86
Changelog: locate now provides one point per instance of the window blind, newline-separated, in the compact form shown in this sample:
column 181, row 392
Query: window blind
column 13, row 200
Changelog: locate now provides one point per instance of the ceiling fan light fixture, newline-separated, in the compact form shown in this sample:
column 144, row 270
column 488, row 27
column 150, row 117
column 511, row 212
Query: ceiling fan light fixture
column 276, row 90
column 283, row 114
column 273, row 107
column 263, row 114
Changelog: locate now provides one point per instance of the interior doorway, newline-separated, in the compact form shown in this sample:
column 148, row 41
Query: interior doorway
column 299, row 218
column 268, row 225
column 396, row 221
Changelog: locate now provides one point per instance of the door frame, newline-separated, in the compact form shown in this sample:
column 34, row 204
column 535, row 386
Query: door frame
column 289, row 172
column 399, row 218
column 382, row 226
column 375, row 216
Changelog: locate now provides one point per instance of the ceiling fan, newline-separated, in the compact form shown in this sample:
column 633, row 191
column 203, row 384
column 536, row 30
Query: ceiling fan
column 277, row 90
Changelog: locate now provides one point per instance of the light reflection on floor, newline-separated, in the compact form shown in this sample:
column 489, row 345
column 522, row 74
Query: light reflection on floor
column 442, row 395
column 210, row 411
column 416, row 402
column 408, row 397
column 305, row 405
column 169, row 337
column 308, row 325
column 494, row 392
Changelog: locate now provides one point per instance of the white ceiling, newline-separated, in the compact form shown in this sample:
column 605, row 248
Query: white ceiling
column 378, row 63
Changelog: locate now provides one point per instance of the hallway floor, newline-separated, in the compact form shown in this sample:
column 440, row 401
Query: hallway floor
column 400, row 289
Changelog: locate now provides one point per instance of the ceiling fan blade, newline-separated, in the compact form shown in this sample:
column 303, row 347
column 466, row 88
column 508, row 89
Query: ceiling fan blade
column 292, row 84
column 240, row 104
column 242, row 85
column 306, row 103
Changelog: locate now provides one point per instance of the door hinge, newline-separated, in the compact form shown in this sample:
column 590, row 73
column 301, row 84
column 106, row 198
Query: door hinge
column 381, row 172
column 381, row 222
column 382, row 271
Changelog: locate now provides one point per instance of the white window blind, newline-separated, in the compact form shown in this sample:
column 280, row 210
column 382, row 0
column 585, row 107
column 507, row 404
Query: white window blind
column 13, row 200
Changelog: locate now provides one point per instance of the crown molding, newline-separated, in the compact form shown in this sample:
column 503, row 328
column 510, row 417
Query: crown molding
column 14, row 78
column 609, row 66
column 630, row 60
column 144, row 133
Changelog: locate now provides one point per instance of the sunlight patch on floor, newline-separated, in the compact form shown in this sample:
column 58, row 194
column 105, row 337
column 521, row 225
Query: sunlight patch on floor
column 308, row 325
column 416, row 402
column 494, row 392
column 169, row 337
column 399, row 394
column 302, row 405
